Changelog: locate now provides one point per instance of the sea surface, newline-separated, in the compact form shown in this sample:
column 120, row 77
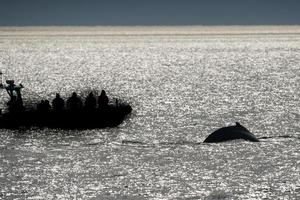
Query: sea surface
column 183, row 83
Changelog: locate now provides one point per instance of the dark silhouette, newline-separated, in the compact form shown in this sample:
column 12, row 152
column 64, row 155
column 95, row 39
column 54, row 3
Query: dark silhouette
column 39, row 106
column 103, row 100
column 15, row 103
column 12, row 105
column 90, row 102
column 58, row 103
column 117, row 102
column 74, row 103
column 231, row 133
column 75, row 117
column 44, row 106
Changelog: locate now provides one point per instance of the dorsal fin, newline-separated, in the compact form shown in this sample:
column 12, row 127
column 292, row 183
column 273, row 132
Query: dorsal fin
column 237, row 124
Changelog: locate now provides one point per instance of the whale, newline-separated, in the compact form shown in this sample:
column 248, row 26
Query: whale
column 231, row 133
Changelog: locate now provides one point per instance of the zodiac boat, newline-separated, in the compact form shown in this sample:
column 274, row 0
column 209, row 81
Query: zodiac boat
column 20, row 117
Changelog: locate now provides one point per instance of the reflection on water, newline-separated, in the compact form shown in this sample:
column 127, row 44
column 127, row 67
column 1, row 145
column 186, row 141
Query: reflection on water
column 182, row 87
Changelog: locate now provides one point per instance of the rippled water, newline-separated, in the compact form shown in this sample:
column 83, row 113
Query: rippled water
column 183, row 85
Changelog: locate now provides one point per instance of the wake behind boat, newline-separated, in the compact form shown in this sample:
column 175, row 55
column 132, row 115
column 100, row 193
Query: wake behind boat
column 73, row 115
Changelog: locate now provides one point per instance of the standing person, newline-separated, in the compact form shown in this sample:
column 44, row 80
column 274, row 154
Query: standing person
column 12, row 105
column 103, row 100
column 16, row 102
column 58, row 103
column 74, row 103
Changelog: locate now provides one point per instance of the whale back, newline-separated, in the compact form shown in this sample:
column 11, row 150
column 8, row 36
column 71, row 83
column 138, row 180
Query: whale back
column 231, row 133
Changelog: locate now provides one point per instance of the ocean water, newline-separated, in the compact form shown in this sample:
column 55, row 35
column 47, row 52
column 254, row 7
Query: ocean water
column 183, row 83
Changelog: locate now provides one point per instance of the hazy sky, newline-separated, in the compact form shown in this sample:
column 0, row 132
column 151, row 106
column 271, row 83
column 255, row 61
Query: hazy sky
column 149, row 12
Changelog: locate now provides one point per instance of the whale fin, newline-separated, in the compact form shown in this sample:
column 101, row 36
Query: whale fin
column 241, row 127
column 238, row 124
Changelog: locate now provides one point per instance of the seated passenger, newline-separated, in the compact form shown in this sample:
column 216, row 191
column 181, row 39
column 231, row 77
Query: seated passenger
column 46, row 106
column 58, row 103
column 43, row 106
column 74, row 103
column 39, row 106
column 103, row 100
column 90, row 101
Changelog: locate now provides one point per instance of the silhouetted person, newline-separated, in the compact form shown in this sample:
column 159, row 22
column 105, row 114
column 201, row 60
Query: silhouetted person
column 90, row 101
column 40, row 105
column 58, row 103
column 13, row 105
column 74, row 103
column 103, row 100
column 44, row 106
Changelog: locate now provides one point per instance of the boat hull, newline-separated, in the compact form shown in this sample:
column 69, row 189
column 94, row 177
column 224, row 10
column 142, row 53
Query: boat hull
column 82, row 119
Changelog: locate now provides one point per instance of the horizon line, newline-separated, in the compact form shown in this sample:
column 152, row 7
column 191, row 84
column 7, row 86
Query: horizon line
column 7, row 31
column 158, row 25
